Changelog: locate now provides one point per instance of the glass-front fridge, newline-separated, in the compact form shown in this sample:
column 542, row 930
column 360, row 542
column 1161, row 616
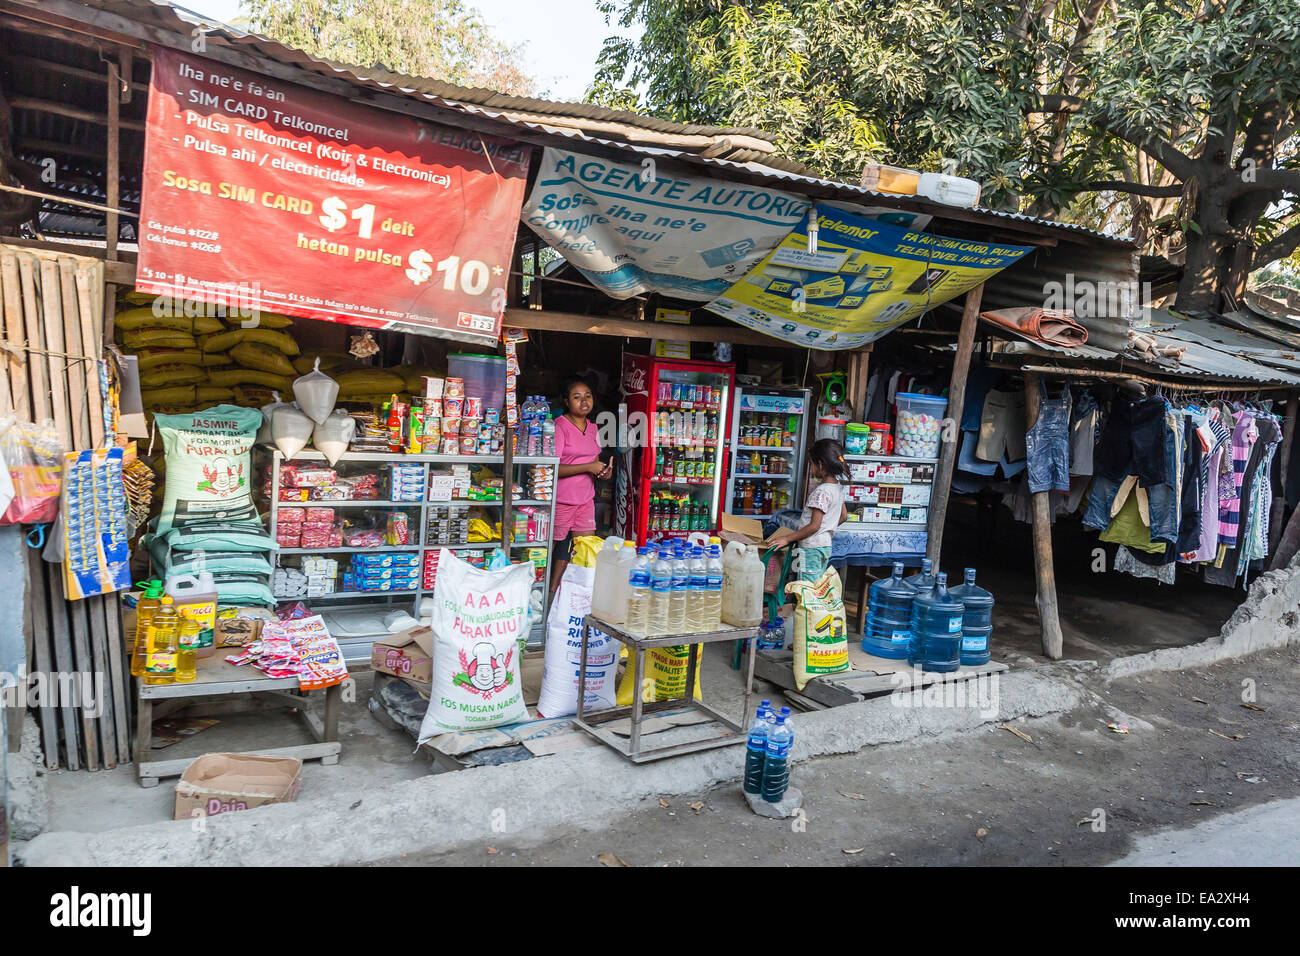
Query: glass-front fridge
column 673, row 469
column 768, row 428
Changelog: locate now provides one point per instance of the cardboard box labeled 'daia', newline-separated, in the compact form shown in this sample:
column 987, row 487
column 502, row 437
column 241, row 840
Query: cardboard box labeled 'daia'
column 224, row 783
column 406, row 654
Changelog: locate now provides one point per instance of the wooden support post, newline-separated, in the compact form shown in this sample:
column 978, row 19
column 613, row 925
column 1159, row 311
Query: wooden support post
column 948, row 448
column 1048, row 614
column 1282, row 470
column 111, row 176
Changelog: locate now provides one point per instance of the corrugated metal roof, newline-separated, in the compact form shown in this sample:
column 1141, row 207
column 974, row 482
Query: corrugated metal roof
column 1213, row 353
column 586, row 123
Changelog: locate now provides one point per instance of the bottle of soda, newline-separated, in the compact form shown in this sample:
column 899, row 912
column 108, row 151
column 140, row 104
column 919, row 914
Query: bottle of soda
column 756, row 748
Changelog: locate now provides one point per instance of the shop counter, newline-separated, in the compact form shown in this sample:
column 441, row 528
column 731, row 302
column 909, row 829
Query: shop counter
column 215, row 679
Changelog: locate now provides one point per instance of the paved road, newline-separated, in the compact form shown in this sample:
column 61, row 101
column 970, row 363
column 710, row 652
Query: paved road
column 1267, row 835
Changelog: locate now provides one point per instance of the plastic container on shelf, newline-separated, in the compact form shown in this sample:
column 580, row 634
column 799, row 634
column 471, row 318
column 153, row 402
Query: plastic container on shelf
column 918, row 425
column 977, row 622
column 856, row 438
column 484, row 377
column 879, row 441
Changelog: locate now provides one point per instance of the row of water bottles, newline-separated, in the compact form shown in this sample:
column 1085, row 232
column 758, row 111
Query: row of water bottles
column 767, row 753
column 920, row 619
column 677, row 587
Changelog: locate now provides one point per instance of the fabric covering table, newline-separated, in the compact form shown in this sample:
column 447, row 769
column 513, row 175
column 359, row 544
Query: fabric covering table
column 216, row 678
column 637, row 646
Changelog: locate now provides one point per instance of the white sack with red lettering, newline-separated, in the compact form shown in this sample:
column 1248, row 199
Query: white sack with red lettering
column 478, row 623
column 559, row 694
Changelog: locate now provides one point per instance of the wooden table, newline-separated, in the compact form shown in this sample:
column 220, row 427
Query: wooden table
column 218, row 679
column 637, row 646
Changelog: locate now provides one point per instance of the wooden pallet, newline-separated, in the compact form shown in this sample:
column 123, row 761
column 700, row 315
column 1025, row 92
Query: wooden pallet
column 870, row 676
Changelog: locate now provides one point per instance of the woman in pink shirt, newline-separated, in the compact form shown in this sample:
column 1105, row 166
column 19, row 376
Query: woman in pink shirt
column 578, row 446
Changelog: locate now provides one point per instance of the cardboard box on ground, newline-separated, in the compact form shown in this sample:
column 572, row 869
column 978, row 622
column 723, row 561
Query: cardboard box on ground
column 409, row 655
column 225, row 783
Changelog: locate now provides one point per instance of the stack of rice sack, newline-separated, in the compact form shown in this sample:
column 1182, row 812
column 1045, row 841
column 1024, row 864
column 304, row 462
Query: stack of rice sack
column 208, row 505
column 192, row 362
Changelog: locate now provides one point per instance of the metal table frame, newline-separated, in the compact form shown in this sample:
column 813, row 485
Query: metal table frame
column 590, row 721
column 216, row 678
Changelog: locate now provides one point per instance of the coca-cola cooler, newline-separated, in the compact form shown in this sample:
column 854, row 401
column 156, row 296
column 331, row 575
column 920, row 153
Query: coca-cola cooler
column 672, row 475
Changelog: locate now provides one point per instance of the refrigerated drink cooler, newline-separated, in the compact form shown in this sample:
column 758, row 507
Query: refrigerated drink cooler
column 768, row 430
column 672, row 484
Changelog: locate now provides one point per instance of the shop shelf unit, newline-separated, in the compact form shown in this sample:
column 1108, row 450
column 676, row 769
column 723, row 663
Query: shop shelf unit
column 910, row 477
column 339, row 607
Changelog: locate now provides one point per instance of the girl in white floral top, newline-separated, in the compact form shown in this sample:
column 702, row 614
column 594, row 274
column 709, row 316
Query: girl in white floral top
column 823, row 512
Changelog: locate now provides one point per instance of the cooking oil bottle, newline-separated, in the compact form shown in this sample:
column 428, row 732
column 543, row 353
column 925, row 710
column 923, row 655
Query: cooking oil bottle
column 160, row 666
column 144, row 610
column 187, row 643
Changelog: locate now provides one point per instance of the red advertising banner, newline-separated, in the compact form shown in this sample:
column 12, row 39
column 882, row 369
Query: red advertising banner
column 270, row 196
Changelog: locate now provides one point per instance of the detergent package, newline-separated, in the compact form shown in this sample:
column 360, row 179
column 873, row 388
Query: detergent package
column 478, row 620
column 821, row 644
column 208, row 467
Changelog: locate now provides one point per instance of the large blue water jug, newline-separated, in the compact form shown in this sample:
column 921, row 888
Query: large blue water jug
column 937, row 619
column 922, row 581
column 977, row 622
column 889, row 617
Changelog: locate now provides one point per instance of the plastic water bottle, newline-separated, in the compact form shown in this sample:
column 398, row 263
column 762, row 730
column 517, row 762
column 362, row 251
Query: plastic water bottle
column 789, row 723
column 923, row 582
column 661, row 589
column 756, row 747
column 680, row 591
column 548, row 436
column 937, row 620
column 713, row 608
column 889, row 617
column 977, row 622
column 697, row 606
column 776, row 768
column 638, row 599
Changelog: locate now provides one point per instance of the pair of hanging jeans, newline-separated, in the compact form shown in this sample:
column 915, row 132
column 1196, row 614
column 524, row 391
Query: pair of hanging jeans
column 1047, row 443
column 1137, row 440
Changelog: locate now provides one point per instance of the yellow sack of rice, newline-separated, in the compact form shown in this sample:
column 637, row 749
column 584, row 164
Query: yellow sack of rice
column 232, row 377
column 165, row 318
column 214, row 359
column 157, row 398
column 132, row 297
column 262, row 320
column 262, row 357
column 414, row 377
column 152, row 358
column 225, row 341
column 161, row 376
column 157, row 337
column 253, row 396
column 368, row 381
column 328, row 361
column 212, row 395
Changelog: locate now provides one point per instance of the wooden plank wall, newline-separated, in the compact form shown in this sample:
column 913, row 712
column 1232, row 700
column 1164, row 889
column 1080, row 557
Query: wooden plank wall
column 53, row 341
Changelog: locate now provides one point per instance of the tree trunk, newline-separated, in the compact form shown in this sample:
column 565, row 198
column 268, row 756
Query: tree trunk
column 1199, row 289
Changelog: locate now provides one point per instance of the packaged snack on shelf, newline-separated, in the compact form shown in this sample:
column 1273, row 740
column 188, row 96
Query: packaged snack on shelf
column 292, row 612
column 288, row 583
column 433, row 388
column 340, row 491
column 454, row 388
column 295, row 494
column 287, row 539
column 307, row 476
column 364, row 539
column 313, row 515
column 388, row 560
column 398, row 529
column 290, row 515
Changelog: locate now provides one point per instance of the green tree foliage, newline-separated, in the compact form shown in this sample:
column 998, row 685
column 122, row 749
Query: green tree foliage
column 440, row 39
column 1172, row 119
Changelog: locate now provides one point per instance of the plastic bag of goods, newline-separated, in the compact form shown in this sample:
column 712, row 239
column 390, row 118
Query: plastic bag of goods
column 333, row 435
column 821, row 644
column 315, row 394
column 33, row 457
column 478, row 622
column 264, row 430
column 208, row 466
column 559, row 694
column 290, row 430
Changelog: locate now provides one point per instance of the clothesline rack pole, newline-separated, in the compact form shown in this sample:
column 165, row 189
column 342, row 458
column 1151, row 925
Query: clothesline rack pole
column 1105, row 375
column 948, row 447
column 1048, row 612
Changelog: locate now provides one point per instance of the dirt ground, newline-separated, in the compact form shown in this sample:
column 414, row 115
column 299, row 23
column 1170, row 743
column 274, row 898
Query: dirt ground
column 987, row 797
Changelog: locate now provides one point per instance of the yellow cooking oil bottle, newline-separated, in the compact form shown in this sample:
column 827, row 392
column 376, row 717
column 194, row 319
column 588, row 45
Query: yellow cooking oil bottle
column 160, row 666
column 187, row 644
column 144, row 611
